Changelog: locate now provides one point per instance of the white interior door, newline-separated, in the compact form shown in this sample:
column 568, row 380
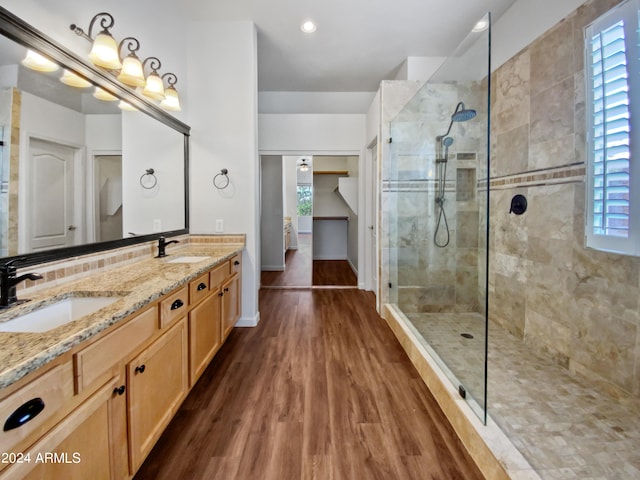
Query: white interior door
column 50, row 206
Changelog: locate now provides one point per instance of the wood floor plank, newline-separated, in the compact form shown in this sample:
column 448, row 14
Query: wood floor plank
column 320, row 389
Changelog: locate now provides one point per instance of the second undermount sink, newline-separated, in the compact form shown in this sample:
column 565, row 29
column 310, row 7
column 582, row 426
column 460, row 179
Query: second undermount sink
column 188, row 259
column 55, row 314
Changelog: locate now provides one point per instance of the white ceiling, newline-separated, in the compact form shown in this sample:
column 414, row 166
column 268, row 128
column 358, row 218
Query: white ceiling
column 357, row 44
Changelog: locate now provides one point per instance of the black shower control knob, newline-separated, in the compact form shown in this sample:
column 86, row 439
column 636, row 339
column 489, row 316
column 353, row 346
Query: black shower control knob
column 518, row 204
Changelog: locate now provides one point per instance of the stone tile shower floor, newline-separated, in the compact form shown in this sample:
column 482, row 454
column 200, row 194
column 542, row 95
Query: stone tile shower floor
column 562, row 424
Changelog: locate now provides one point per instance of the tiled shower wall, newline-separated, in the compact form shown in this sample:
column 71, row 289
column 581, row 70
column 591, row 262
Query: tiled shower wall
column 429, row 278
column 578, row 305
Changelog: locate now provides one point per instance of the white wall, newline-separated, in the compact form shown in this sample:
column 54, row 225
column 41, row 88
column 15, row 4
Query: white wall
column 311, row 133
column 290, row 194
column 314, row 102
column 147, row 143
column 224, row 135
column 271, row 224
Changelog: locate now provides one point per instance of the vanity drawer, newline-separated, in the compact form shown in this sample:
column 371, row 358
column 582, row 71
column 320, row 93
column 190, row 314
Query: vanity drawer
column 97, row 360
column 31, row 409
column 236, row 264
column 174, row 306
column 218, row 275
column 198, row 289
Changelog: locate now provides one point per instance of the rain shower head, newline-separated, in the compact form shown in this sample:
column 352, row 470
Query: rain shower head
column 460, row 114
column 463, row 114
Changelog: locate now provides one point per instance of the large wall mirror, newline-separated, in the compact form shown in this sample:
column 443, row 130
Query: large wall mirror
column 79, row 174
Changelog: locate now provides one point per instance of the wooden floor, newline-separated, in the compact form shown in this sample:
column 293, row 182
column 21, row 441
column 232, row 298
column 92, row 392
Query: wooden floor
column 321, row 389
column 301, row 271
column 333, row 272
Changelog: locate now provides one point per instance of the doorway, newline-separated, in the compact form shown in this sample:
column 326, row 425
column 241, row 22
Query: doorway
column 315, row 199
column 108, row 197
column 52, row 220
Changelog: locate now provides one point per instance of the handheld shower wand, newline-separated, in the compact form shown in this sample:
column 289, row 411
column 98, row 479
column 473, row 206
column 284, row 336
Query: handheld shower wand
column 443, row 142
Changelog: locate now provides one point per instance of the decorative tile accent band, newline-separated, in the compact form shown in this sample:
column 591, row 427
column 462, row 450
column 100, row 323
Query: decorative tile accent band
column 571, row 173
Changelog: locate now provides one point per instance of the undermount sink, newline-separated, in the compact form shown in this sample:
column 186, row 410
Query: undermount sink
column 188, row 259
column 55, row 314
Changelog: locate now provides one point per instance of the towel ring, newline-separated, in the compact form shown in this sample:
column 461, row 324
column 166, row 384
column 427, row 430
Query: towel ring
column 222, row 182
column 149, row 172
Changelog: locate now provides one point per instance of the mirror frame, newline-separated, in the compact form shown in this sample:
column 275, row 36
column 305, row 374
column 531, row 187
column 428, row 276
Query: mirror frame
column 23, row 33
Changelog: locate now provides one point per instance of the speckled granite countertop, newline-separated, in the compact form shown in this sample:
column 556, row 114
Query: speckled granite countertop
column 139, row 284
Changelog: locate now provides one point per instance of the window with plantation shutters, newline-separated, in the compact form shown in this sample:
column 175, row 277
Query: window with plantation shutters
column 613, row 176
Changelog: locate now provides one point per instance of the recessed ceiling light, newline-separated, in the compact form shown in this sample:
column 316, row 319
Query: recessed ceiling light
column 308, row 26
column 481, row 26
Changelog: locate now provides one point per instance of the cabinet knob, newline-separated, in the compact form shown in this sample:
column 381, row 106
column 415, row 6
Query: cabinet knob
column 140, row 368
column 24, row 413
column 202, row 286
column 177, row 304
column 119, row 390
column 226, row 289
column 236, row 263
column 220, row 294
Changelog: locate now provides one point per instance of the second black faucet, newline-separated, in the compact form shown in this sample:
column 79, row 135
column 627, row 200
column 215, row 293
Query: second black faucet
column 162, row 243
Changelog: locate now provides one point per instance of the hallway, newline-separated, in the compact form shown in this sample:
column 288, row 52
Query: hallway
column 301, row 271
column 320, row 389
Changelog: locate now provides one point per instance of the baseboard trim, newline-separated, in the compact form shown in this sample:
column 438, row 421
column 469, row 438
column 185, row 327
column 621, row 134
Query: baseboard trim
column 248, row 321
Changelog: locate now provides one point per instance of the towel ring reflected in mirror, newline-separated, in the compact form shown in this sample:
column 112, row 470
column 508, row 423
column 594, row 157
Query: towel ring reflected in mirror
column 148, row 179
column 221, row 180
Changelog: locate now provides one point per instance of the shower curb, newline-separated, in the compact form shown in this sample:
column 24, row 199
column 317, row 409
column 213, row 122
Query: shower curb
column 496, row 456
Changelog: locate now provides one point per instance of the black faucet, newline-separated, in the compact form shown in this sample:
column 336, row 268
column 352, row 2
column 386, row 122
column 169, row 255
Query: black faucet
column 8, row 282
column 162, row 243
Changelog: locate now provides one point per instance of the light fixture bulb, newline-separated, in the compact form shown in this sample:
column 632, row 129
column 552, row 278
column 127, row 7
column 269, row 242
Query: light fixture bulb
column 73, row 80
column 131, row 73
column 171, row 100
column 308, row 26
column 37, row 62
column 304, row 166
column 103, row 95
column 154, row 87
column 104, row 52
column 127, row 106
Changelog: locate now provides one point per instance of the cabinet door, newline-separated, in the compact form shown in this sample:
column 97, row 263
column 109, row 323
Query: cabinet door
column 80, row 446
column 157, row 381
column 230, row 304
column 204, row 335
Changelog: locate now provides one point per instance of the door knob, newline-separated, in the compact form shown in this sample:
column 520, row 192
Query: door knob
column 71, row 227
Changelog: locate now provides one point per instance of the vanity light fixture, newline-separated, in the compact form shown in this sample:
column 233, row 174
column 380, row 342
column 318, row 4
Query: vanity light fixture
column 73, row 80
column 127, row 106
column 171, row 100
column 154, row 86
column 132, row 72
column 103, row 95
column 104, row 51
column 37, row 62
column 308, row 26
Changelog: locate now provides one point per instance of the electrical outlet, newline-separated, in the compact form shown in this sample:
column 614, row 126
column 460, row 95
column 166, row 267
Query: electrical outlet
column 219, row 226
column 157, row 225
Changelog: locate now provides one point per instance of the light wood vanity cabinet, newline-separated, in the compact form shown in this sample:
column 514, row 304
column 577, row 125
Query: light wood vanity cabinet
column 110, row 399
column 157, row 382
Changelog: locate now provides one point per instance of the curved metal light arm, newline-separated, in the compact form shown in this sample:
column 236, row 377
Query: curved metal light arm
column 106, row 22
column 154, row 63
column 171, row 79
column 132, row 44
